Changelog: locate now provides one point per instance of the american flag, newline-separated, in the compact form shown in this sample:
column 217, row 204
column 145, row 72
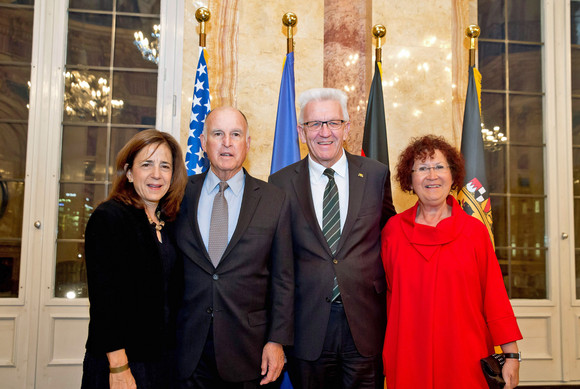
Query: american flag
column 195, row 159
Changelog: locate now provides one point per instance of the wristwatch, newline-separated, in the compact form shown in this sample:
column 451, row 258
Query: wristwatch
column 517, row 356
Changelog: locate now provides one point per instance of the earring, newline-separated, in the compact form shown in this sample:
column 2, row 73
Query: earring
column 131, row 180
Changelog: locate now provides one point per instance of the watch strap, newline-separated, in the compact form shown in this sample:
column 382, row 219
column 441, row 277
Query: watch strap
column 517, row 356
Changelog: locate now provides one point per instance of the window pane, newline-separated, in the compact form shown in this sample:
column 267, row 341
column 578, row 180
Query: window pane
column 9, row 268
column 576, row 221
column 14, row 89
column 526, row 170
column 524, row 20
column 75, row 206
column 87, row 97
column 491, row 17
column 576, row 172
column 84, row 153
column 528, row 268
column 16, row 37
column 575, row 52
column 526, row 119
column 138, row 91
column 577, row 273
column 127, row 54
column 527, row 222
column 97, row 5
column 492, row 65
column 11, row 208
column 13, row 150
column 575, row 22
column 495, row 168
column 576, row 121
column 143, row 7
column 71, row 272
column 499, row 226
column 525, row 67
column 89, row 39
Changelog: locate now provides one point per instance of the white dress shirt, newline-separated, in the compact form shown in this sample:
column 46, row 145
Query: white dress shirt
column 318, row 182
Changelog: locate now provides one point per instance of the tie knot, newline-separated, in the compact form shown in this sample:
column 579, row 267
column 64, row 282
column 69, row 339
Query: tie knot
column 223, row 186
column 328, row 172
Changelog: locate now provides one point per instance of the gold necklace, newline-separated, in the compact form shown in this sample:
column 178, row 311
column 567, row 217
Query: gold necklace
column 158, row 226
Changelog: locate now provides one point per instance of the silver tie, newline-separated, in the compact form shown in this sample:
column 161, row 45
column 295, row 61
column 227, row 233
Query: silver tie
column 218, row 228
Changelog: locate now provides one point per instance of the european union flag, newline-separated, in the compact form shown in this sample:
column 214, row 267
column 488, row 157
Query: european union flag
column 195, row 159
column 286, row 150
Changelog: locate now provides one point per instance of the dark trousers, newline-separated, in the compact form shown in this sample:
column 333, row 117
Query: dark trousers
column 340, row 365
column 206, row 376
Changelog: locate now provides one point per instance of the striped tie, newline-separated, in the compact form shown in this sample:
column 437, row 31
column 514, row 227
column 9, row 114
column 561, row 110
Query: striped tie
column 331, row 220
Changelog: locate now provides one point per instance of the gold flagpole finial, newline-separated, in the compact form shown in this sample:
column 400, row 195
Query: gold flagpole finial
column 202, row 15
column 472, row 32
column 379, row 31
column 289, row 20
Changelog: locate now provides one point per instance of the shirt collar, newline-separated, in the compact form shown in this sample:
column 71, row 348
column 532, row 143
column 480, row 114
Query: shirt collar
column 317, row 170
column 236, row 183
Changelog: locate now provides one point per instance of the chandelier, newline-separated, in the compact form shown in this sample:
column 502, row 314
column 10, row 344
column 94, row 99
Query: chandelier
column 88, row 96
column 149, row 50
column 492, row 139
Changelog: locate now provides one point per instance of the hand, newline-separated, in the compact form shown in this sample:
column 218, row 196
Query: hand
column 122, row 380
column 511, row 373
column 272, row 362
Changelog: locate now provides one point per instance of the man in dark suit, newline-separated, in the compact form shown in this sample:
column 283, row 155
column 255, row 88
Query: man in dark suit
column 339, row 203
column 238, row 305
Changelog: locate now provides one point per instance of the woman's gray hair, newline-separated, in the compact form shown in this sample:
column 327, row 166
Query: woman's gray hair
column 323, row 94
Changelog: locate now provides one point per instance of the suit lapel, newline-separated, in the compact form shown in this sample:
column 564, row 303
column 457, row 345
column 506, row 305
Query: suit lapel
column 301, row 184
column 356, row 187
column 194, row 194
column 250, row 201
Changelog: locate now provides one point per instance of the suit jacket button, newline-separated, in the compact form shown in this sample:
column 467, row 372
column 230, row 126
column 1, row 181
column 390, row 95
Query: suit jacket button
column 335, row 261
column 215, row 277
column 209, row 310
column 327, row 299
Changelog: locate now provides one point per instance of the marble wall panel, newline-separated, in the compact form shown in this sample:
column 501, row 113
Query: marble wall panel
column 348, row 62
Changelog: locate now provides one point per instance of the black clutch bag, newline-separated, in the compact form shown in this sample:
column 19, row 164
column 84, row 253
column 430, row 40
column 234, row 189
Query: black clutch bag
column 491, row 367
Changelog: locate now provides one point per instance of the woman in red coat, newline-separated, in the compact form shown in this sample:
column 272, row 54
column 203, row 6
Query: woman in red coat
column 446, row 301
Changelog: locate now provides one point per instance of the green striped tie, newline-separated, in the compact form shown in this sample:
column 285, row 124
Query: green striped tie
column 331, row 220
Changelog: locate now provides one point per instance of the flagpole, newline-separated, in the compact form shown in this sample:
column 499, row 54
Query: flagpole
column 472, row 32
column 202, row 15
column 289, row 20
column 379, row 31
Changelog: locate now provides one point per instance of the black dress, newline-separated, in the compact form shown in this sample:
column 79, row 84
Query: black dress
column 134, row 286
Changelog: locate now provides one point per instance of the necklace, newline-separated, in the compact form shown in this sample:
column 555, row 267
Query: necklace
column 158, row 226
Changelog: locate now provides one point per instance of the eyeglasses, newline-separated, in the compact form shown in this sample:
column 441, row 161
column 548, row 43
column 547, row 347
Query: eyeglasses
column 424, row 170
column 316, row 125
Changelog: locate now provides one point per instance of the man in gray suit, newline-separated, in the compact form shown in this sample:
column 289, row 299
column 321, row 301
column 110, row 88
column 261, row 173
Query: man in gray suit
column 234, row 235
column 339, row 203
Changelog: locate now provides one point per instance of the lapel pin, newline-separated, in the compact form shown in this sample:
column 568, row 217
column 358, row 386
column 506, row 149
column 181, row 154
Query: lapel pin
column 360, row 175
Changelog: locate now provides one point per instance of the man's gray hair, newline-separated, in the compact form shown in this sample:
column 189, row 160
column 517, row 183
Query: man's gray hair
column 323, row 94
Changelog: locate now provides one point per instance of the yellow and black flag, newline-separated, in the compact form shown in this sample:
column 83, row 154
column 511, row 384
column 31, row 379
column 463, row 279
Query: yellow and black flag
column 474, row 195
column 375, row 135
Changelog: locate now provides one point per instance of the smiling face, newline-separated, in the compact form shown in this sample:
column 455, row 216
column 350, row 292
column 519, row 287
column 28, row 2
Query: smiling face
column 432, row 186
column 151, row 173
column 324, row 144
column 225, row 141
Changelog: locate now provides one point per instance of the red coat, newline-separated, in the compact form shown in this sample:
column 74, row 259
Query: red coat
column 446, row 302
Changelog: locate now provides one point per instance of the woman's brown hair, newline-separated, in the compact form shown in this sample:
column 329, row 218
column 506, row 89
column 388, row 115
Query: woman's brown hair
column 124, row 191
column 422, row 148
